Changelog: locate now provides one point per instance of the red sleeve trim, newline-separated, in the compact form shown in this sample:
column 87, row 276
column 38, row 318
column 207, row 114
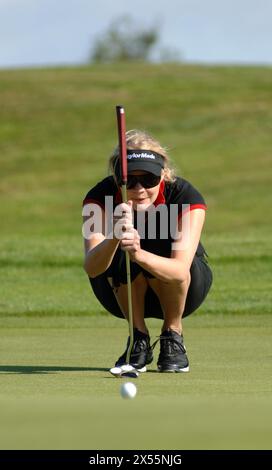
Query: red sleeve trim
column 191, row 208
column 198, row 206
column 93, row 201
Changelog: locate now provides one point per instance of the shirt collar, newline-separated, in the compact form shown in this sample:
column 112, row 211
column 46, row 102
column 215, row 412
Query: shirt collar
column 160, row 198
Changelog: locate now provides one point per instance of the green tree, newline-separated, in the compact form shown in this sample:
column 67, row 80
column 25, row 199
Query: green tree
column 124, row 42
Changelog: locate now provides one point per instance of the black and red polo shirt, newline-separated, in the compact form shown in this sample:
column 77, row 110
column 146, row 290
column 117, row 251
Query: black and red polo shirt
column 178, row 192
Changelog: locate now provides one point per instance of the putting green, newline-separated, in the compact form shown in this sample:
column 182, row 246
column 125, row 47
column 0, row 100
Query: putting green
column 56, row 392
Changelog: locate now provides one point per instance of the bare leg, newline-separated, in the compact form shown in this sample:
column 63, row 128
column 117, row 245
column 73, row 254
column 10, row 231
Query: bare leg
column 172, row 297
column 138, row 289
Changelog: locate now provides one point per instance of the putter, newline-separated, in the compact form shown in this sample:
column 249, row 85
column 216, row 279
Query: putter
column 126, row 369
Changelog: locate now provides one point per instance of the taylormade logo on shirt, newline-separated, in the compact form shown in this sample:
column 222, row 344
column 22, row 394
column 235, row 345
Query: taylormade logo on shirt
column 141, row 155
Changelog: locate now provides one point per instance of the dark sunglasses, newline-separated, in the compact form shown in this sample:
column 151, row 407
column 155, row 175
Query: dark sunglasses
column 147, row 181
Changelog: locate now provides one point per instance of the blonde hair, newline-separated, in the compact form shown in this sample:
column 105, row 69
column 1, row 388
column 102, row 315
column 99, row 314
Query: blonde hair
column 141, row 140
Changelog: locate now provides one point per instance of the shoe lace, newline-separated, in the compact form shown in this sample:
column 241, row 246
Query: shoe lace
column 140, row 344
column 169, row 344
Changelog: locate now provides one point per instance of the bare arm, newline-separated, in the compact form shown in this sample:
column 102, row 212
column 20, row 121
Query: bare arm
column 99, row 253
column 99, row 249
column 178, row 266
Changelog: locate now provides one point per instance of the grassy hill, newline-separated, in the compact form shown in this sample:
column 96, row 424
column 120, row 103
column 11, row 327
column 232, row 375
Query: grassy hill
column 57, row 129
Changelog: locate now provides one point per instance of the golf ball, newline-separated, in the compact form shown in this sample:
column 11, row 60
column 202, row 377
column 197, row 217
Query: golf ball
column 128, row 390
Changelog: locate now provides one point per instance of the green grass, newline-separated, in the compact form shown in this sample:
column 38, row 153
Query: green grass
column 56, row 391
column 57, row 129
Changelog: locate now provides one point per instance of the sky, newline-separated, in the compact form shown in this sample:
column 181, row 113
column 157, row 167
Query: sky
column 60, row 32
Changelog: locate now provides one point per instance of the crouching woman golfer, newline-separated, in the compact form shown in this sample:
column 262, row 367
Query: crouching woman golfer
column 170, row 277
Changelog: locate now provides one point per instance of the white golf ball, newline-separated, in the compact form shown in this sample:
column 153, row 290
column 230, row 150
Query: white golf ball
column 128, row 390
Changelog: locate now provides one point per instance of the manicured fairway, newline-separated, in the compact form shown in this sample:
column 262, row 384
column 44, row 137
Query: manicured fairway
column 56, row 391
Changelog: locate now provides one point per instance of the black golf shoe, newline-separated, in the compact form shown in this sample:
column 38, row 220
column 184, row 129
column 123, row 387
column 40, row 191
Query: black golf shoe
column 172, row 357
column 141, row 353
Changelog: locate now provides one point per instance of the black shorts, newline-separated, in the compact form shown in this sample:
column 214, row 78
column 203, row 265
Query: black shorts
column 201, row 281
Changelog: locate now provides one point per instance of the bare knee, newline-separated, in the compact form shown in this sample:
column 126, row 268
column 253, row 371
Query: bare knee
column 140, row 281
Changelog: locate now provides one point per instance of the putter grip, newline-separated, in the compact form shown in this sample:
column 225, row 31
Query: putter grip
column 121, row 123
